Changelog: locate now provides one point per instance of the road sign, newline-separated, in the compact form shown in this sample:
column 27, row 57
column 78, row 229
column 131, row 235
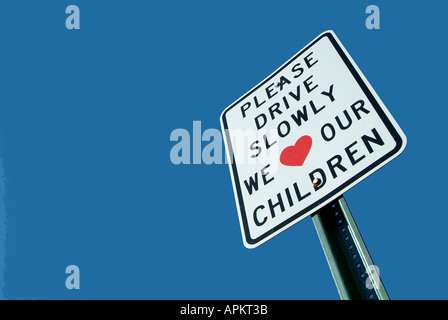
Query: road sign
column 302, row 137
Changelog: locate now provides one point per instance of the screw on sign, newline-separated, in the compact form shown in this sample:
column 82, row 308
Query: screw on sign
column 303, row 136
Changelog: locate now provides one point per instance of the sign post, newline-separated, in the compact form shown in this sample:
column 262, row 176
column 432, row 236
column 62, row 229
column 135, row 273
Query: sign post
column 355, row 275
column 302, row 137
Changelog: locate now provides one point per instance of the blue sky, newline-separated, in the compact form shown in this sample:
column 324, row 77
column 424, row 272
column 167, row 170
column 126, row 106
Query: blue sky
column 85, row 122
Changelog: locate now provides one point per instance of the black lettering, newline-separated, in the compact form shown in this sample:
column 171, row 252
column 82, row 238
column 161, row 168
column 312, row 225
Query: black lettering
column 296, row 96
column 299, row 196
column 338, row 165
column 307, row 83
column 272, row 206
column 349, row 120
column 254, row 146
column 301, row 115
column 257, row 123
column 308, row 61
column 257, row 104
column 264, row 174
column 244, row 109
column 324, row 135
column 252, row 184
column 274, row 109
column 297, row 68
column 329, row 94
column 266, row 142
column 350, row 154
column 283, row 80
column 377, row 140
column 279, row 131
column 288, row 196
column 269, row 91
column 257, row 222
column 285, row 101
column 313, row 107
column 361, row 107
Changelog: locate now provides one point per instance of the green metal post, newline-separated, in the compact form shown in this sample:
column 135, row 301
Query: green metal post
column 354, row 273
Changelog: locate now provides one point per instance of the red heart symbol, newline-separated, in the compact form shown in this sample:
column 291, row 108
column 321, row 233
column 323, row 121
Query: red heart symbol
column 294, row 156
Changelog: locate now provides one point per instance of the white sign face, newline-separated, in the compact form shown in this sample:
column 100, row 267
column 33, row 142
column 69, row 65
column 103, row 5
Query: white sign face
column 302, row 137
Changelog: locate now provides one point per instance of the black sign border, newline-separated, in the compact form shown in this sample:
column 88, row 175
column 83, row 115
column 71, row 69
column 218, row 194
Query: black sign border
column 394, row 133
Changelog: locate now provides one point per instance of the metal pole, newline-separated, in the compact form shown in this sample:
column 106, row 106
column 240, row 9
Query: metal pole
column 354, row 273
